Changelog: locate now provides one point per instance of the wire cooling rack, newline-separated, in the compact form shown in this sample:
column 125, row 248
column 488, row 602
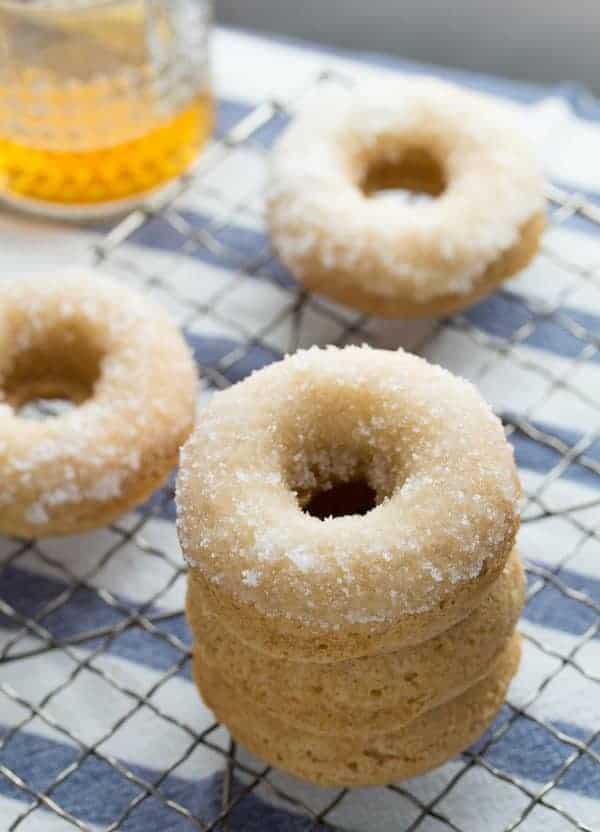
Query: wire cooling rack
column 215, row 272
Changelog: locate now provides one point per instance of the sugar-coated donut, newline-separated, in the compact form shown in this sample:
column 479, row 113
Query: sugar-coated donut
column 404, row 260
column 124, row 365
column 361, row 761
column 426, row 445
column 373, row 694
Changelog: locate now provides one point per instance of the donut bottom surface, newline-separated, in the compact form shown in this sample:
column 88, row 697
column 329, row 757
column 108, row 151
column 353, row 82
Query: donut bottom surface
column 375, row 693
column 338, row 285
column 424, row 744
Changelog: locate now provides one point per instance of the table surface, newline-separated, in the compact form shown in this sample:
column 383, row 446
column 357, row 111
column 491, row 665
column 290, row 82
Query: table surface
column 100, row 724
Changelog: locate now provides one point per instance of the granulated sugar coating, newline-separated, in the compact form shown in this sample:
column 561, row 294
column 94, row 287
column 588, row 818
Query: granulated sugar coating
column 404, row 259
column 446, row 493
column 132, row 380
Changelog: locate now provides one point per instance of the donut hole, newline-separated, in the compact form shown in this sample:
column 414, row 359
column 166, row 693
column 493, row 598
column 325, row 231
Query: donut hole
column 339, row 451
column 47, row 379
column 341, row 500
column 415, row 175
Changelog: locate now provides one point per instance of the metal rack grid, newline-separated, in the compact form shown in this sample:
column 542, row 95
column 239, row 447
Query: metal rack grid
column 205, row 233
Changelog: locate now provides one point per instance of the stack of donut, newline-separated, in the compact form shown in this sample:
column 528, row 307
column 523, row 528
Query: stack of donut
column 349, row 516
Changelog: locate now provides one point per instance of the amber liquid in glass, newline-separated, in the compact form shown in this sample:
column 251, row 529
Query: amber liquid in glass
column 100, row 101
column 108, row 171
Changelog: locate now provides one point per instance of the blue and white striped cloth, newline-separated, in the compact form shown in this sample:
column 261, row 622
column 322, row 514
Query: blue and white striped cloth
column 100, row 723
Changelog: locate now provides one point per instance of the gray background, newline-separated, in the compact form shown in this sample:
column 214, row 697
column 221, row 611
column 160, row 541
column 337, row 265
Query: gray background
column 539, row 40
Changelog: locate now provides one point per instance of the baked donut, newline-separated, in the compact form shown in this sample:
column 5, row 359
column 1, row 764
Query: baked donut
column 420, row 442
column 377, row 759
column 396, row 259
column 124, row 365
column 373, row 694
